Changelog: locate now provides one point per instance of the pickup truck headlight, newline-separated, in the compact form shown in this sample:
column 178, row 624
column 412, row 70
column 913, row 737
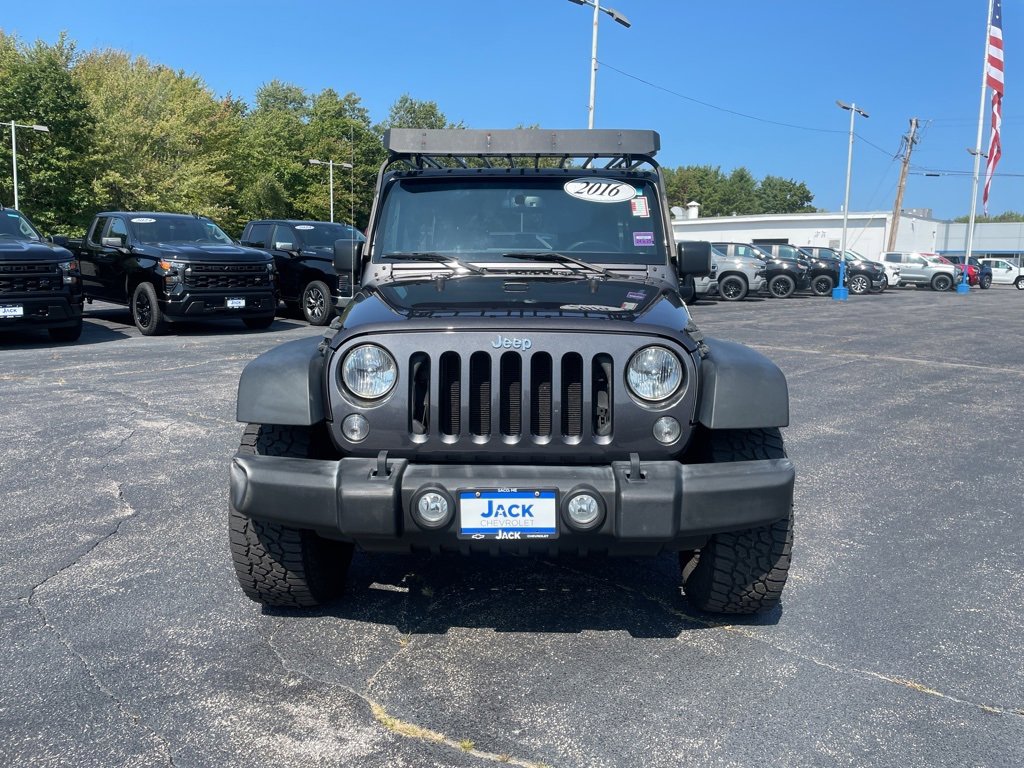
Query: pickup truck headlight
column 69, row 269
column 369, row 372
column 654, row 373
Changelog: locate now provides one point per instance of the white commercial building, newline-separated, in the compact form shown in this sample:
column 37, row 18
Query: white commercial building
column 867, row 233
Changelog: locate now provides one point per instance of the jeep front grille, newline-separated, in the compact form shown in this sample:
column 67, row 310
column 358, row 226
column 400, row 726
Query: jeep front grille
column 484, row 395
column 33, row 277
column 226, row 276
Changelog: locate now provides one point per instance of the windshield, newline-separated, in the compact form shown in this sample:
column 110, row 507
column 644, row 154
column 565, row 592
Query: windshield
column 324, row 235
column 177, row 229
column 13, row 224
column 483, row 219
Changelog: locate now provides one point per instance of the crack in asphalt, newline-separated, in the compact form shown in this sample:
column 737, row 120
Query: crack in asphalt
column 119, row 704
column 844, row 670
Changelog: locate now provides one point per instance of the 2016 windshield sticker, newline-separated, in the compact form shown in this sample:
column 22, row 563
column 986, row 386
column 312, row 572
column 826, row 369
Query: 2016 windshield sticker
column 143, row 220
column 640, row 207
column 643, row 239
column 303, row 226
column 599, row 190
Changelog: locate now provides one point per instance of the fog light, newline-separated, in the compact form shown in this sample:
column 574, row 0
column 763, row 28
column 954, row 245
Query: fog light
column 432, row 508
column 666, row 430
column 355, row 427
column 583, row 510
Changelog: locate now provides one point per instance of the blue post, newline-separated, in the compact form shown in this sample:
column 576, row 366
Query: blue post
column 841, row 292
column 963, row 286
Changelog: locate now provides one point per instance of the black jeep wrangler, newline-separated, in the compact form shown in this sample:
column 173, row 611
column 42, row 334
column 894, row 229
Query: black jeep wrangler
column 517, row 373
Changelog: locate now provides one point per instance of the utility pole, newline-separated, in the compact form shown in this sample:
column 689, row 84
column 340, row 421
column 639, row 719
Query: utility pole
column 911, row 140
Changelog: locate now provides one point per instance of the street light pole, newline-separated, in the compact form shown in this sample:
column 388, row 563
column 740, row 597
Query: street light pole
column 618, row 17
column 330, row 168
column 14, row 152
column 841, row 292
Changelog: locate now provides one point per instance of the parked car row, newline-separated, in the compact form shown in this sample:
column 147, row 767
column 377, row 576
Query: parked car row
column 167, row 267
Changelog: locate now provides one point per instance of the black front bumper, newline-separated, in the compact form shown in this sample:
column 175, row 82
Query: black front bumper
column 52, row 311
column 664, row 506
column 188, row 306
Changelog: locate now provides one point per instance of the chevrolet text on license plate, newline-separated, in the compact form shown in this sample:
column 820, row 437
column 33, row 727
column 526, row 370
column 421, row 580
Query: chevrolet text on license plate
column 508, row 513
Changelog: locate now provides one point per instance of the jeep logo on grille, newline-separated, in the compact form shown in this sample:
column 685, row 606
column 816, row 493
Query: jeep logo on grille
column 513, row 342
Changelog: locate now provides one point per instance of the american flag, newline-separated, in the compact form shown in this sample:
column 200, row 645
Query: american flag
column 994, row 79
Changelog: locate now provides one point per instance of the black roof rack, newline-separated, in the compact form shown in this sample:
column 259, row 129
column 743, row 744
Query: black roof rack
column 438, row 148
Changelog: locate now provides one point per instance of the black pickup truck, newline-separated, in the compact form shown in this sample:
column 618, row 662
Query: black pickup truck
column 40, row 286
column 304, row 254
column 171, row 266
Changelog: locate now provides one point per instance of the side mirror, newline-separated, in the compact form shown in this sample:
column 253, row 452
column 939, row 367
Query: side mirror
column 694, row 258
column 61, row 240
column 284, row 246
column 347, row 262
column 112, row 242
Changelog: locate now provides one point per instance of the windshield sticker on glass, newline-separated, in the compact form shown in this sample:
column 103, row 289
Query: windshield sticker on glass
column 142, row 220
column 636, row 295
column 640, row 207
column 303, row 226
column 643, row 239
column 629, row 306
column 600, row 190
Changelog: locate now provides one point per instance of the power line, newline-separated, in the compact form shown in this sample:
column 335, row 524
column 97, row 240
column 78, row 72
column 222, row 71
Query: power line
column 885, row 152
column 718, row 108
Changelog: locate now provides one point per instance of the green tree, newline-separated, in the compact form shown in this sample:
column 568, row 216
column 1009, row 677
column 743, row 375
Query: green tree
column 165, row 141
column 408, row 112
column 704, row 184
column 54, row 169
column 739, row 194
column 778, row 195
column 1005, row 216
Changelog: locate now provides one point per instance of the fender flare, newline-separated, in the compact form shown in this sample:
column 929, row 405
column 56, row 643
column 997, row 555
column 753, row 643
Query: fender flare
column 284, row 386
column 741, row 389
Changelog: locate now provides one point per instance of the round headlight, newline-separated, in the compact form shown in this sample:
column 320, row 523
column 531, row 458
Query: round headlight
column 369, row 371
column 654, row 373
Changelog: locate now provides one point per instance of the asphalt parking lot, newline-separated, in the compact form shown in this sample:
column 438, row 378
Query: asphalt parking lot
column 125, row 641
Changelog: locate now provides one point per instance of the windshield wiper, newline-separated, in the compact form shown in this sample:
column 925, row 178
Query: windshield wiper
column 558, row 258
column 451, row 262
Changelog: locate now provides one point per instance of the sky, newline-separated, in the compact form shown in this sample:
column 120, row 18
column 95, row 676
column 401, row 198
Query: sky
column 501, row 63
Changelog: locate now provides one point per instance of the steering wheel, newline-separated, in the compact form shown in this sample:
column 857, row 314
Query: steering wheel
column 601, row 245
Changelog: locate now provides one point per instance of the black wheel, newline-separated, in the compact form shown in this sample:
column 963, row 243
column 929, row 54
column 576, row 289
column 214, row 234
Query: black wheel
column 275, row 564
column 985, row 282
column 859, row 285
column 146, row 312
column 316, row 303
column 732, row 288
column 70, row 333
column 741, row 571
column 822, row 285
column 781, row 286
column 1019, row 283
column 942, row 283
column 258, row 323
column 885, row 283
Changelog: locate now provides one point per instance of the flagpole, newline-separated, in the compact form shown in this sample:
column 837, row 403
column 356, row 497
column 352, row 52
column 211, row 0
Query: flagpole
column 977, row 146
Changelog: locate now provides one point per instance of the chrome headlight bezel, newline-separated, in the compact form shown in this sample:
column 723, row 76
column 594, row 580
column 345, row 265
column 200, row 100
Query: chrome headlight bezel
column 655, row 393
column 386, row 368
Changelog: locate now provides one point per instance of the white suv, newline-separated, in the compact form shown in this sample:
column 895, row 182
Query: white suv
column 923, row 269
column 1005, row 272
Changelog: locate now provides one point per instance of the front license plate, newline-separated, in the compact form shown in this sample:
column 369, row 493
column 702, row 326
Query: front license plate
column 508, row 513
column 236, row 303
column 12, row 310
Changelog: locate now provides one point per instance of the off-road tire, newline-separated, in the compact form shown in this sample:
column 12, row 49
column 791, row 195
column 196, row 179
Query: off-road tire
column 146, row 312
column 316, row 305
column 985, row 282
column 942, row 282
column 859, row 285
column 277, row 565
column 68, row 333
column 741, row 572
column 781, row 286
column 258, row 323
column 822, row 285
column 732, row 288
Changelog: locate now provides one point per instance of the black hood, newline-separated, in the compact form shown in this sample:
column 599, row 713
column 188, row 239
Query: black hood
column 30, row 250
column 206, row 252
column 509, row 298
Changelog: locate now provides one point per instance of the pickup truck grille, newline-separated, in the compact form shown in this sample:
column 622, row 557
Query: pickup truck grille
column 487, row 395
column 226, row 276
column 33, row 277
